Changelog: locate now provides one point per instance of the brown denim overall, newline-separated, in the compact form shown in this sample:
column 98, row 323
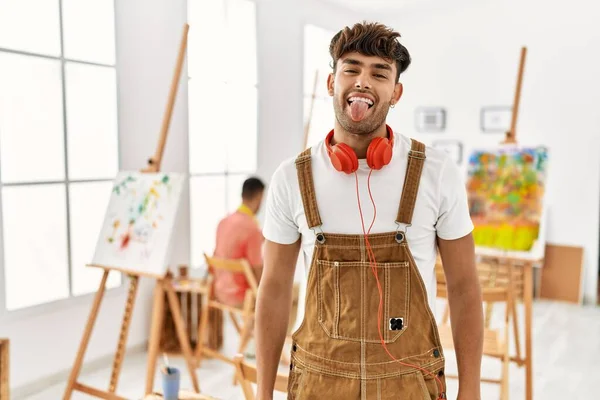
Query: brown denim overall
column 337, row 351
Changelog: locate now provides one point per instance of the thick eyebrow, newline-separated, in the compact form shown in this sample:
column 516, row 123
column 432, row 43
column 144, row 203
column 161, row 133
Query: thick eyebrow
column 352, row 61
column 387, row 67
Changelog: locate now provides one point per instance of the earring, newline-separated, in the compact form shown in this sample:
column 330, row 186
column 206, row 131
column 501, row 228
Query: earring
column 392, row 105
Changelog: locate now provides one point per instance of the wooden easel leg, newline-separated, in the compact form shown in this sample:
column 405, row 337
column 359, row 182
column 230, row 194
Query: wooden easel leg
column 516, row 330
column 202, row 329
column 86, row 337
column 504, row 387
column 236, row 324
column 158, row 312
column 528, row 300
column 181, row 333
column 513, row 309
column 118, row 362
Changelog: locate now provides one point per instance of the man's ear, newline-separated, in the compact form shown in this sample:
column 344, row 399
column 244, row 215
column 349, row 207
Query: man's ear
column 398, row 90
column 330, row 84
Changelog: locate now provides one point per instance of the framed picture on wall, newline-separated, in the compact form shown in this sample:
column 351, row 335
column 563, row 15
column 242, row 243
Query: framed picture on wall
column 496, row 118
column 430, row 119
column 452, row 147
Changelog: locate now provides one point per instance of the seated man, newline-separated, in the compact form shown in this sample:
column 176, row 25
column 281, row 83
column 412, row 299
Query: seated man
column 239, row 236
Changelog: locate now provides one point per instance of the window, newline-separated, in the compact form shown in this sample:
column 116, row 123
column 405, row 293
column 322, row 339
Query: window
column 317, row 64
column 222, row 69
column 58, row 145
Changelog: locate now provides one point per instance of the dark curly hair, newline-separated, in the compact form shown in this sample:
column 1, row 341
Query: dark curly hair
column 370, row 39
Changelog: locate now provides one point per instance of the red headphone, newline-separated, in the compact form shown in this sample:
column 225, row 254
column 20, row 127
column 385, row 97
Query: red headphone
column 344, row 158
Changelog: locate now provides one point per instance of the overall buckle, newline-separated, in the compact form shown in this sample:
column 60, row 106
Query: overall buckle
column 319, row 234
column 401, row 234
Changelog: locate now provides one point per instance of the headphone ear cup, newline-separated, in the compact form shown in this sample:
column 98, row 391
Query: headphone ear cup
column 379, row 153
column 347, row 160
column 370, row 151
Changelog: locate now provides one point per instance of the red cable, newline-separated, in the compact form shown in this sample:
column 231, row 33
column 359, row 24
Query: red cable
column 372, row 264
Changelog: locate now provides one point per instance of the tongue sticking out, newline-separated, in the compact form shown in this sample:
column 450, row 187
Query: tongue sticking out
column 358, row 110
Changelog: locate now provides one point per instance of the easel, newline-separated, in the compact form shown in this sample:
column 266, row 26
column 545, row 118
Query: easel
column 163, row 284
column 526, row 264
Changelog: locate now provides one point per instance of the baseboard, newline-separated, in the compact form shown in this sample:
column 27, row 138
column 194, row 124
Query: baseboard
column 39, row 385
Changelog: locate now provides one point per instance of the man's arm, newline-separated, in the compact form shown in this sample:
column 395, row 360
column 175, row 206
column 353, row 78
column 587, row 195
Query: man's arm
column 272, row 311
column 466, row 312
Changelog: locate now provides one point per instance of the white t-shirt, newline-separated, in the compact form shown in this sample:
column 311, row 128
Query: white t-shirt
column 441, row 207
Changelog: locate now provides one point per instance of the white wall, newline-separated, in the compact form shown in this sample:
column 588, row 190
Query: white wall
column 44, row 341
column 467, row 57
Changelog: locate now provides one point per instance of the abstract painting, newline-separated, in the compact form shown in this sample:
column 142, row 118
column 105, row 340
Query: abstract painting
column 137, row 229
column 506, row 188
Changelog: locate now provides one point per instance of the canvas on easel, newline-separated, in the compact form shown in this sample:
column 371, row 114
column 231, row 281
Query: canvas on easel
column 506, row 188
column 138, row 225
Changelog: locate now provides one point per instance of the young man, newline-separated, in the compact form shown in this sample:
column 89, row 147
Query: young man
column 239, row 236
column 370, row 208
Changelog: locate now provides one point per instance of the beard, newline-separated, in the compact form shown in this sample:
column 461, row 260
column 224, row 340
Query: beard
column 376, row 117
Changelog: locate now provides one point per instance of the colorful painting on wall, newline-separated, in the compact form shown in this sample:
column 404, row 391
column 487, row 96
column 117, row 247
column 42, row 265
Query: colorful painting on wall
column 506, row 188
column 137, row 228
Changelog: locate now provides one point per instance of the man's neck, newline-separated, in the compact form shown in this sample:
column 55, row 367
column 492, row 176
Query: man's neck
column 358, row 142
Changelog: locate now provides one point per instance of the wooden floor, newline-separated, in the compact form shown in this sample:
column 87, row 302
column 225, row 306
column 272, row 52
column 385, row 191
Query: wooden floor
column 566, row 353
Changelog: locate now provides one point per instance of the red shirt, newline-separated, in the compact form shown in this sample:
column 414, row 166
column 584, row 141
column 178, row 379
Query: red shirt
column 238, row 236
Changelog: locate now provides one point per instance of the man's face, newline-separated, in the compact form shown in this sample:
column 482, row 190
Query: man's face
column 363, row 88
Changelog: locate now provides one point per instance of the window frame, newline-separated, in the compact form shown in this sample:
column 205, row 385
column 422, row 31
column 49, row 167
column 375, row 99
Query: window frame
column 72, row 300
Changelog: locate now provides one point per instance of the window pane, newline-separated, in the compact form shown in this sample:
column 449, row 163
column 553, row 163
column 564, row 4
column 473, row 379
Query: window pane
column 206, row 36
column 30, row 25
column 208, row 108
column 241, row 28
column 91, row 121
column 242, row 130
column 316, row 59
column 207, row 208
column 89, row 30
column 31, row 113
column 88, row 203
column 234, row 191
column 322, row 119
column 35, row 244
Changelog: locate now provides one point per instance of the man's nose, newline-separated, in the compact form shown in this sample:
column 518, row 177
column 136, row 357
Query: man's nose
column 362, row 82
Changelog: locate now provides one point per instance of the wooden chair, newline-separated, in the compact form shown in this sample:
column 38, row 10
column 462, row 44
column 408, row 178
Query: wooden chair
column 246, row 375
column 246, row 312
column 495, row 341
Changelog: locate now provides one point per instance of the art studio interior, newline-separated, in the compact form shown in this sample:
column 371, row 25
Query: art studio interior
column 135, row 135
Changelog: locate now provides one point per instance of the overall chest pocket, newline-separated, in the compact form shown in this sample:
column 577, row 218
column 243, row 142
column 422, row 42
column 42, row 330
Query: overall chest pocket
column 348, row 299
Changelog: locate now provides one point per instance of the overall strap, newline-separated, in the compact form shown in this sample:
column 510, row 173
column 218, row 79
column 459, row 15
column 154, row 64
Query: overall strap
column 307, row 188
column 416, row 159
